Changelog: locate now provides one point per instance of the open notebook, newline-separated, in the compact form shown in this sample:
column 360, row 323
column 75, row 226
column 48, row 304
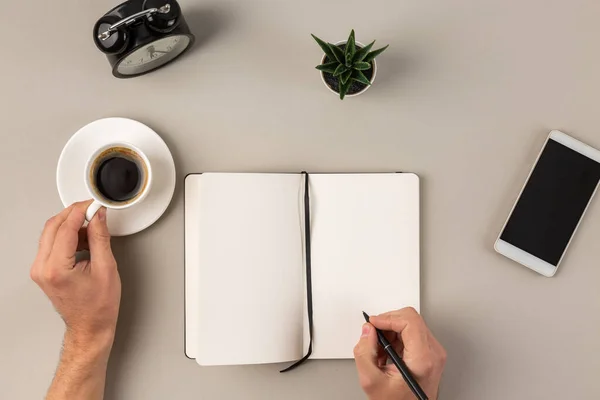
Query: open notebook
column 245, row 262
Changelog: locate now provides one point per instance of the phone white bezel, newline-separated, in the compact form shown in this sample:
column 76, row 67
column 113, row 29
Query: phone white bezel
column 527, row 259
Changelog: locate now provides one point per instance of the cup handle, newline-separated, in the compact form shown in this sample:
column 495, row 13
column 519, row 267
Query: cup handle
column 92, row 210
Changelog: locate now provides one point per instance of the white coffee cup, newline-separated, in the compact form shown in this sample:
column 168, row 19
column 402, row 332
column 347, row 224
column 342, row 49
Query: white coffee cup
column 98, row 161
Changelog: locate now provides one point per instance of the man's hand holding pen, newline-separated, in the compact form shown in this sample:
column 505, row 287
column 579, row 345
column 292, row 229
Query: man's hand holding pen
column 423, row 354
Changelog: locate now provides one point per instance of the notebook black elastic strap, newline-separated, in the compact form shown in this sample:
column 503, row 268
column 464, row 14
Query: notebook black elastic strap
column 308, row 275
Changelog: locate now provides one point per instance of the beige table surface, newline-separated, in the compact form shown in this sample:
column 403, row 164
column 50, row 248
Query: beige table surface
column 464, row 97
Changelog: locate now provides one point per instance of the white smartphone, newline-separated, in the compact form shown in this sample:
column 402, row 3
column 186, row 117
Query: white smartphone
column 553, row 201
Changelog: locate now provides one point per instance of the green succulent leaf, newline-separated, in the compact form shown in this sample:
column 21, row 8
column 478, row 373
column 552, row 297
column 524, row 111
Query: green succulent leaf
column 328, row 67
column 361, row 66
column 343, row 88
column 338, row 54
column 371, row 56
column 362, row 53
column 350, row 48
column 324, row 47
column 341, row 68
column 358, row 76
column 345, row 77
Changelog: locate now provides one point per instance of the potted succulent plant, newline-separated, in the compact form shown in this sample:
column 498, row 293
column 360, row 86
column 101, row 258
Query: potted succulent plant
column 348, row 68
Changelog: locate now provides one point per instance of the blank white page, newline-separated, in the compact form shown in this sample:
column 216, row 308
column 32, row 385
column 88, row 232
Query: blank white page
column 365, row 253
column 244, row 272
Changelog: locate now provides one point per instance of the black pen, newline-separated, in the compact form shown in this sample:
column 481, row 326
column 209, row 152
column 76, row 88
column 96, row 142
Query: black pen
column 404, row 371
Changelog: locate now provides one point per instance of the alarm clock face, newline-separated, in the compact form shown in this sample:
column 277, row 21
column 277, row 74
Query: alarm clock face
column 153, row 55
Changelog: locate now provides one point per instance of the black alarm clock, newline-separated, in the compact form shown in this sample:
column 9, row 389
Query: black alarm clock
column 140, row 36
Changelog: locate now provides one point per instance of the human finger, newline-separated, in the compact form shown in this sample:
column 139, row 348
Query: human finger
column 394, row 340
column 99, row 240
column 382, row 357
column 397, row 344
column 408, row 324
column 67, row 237
column 49, row 233
column 366, row 356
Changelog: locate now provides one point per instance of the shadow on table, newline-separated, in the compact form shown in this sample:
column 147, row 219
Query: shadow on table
column 455, row 380
column 180, row 176
column 206, row 23
column 396, row 66
column 127, row 252
column 130, row 303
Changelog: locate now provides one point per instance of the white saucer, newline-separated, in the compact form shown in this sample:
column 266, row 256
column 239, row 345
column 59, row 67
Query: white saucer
column 72, row 161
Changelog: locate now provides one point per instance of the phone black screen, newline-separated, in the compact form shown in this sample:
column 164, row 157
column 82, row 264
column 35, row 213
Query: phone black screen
column 552, row 203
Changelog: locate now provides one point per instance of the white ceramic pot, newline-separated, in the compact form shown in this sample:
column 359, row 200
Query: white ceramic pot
column 355, row 94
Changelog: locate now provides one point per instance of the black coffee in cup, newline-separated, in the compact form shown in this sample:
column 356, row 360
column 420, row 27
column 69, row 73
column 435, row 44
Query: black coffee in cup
column 119, row 175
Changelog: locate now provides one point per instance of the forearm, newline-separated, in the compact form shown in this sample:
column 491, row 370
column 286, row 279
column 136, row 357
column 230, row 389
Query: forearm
column 81, row 373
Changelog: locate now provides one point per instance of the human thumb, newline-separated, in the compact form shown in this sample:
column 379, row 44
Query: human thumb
column 99, row 238
column 365, row 354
